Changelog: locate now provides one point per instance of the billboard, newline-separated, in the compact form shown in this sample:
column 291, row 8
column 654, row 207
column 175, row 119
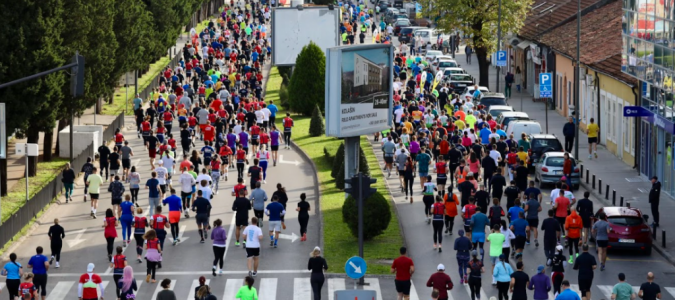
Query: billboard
column 294, row 28
column 358, row 89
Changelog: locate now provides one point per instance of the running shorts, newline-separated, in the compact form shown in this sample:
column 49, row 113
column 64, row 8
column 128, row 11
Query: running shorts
column 163, row 188
column 252, row 252
column 126, row 163
column 114, row 201
column 152, row 152
column 275, row 226
column 534, row 223
column 602, row 243
column 587, row 222
column 441, row 180
column 93, row 196
column 520, row 242
column 592, row 140
column 241, row 221
column 402, row 286
column 478, row 237
column 174, row 216
column 585, row 286
column 202, row 219
column 389, row 159
column 275, row 147
column 258, row 213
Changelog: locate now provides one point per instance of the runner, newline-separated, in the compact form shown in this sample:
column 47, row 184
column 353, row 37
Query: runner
column 158, row 222
column 126, row 219
column 573, row 225
column 114, row 162
column 225, row 154
column 592, row 130
column 118, row 263
column 154, row 191
column 275, row 211
column 140, row 223
column 451, row 205
column 478, row 222
column 175, row 209
column 88, row 284
column 585, row 210
column 275, row 141
column 258, row 198
column 151, row 143
column 586, row 264
column 438, row 211
column 600, row 230
column 532, row 209
column 219, row 237
column 127, row 284
column 187, row 183
column 558, row 264
column 56, row 235
column 403, row 267
column 13, row 270
column 540, row 283
column 475, row 270
column 440, row 282
column 423, row 162
column 68, row 178
column 27, row 290
column 428, row 191
column 263, row 156
column 116, row 188
column 103, row 161
column 388, row 148
column 94, row 182
column 303, row 216
column 288, row 126
column 551, row 229
column 241, row 159
column 201, row 206
column 253, row 236
column 153, row 254
column 255, row 173
column 241, row 206
column 496, row 239
column 110, row 231
column 40, row 265
column 520, row 228
column 441, row 168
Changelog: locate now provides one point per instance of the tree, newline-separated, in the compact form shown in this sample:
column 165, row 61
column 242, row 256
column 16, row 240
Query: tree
column 307, row 88
column 338, row 161
column 340, row 176
column 478, row 18
column 363, row 163
column 376, row 215
column 316, row 126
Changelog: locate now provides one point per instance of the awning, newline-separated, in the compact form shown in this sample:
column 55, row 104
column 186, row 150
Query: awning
column 524, row 44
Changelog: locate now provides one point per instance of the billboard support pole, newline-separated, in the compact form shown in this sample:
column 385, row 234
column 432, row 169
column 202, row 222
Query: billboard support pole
column 351, row 158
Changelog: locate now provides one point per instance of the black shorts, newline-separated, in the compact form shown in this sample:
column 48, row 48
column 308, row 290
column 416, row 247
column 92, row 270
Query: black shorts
column 520, row 242
column 252, row 252
column 163, row 188
column 126, row 163
column 602, row 243
column 534, row 223
column 93, row 196
column 265, row 124
column 40, row 283
column 389, row 159
column 202, row 219
column 402, row 286
column 255, row 142
column 441, row 180
column 241, row 221
column 587, row 222
column 225, row 160
column 116, row 201
column 258, row 213
column 585, row 285
column 592, row 140
column 274, row 147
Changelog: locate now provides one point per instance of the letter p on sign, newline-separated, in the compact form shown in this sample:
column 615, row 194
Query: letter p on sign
column 545, row 78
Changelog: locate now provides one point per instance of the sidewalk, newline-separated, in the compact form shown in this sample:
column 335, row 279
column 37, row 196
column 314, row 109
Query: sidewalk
column 622, row 178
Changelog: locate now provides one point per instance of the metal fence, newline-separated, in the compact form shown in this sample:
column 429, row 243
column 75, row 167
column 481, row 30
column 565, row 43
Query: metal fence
column 145, row 93
column 109, row 132
column 12, row 225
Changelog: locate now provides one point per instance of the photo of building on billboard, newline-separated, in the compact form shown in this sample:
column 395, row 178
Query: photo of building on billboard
column 366, row 76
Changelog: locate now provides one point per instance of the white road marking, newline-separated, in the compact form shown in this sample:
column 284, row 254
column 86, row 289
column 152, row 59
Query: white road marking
column 180, row 234
column 191, row 273
column 293, row 162
column 606, row 290
column 302, row 289
column 160, row 288
column 268, row 289
column 335, row 284
column 671, row 291
column 78, row 238
column 482, row 292
column 414, row 296
column 231, row 288
column 195, row 284
column 60, row 291
column 229, row 238
column 374, row 285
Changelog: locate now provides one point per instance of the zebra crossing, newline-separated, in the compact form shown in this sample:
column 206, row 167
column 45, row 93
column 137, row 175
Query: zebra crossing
column 270, row 288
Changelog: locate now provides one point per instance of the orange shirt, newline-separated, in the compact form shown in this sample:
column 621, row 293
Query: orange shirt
column 445, row 147
column 460, row 114
column 451, row 207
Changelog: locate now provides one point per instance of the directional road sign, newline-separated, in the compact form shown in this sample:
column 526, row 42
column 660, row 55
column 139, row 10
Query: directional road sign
column 545, row 85
column 501, row 59
column 636, row 111
column 356, row 267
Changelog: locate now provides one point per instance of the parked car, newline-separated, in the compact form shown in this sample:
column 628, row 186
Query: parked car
column 549, row 169
column 430, row 35
column 398, row 3
column 468, row 92
column 431, row 54
column 506, row 117
column 497, row 110
column 400, row 23
column 628, row 229
column 443, row 64
column 541, row 144
column 519, row 127
column 490, row 99
column 390, row 15
column 407, row 33
column 450, row 71
column 383, row 6
column 458, row 82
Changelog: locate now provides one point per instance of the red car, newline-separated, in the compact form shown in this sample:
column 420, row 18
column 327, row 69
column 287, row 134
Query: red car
column 628, row 229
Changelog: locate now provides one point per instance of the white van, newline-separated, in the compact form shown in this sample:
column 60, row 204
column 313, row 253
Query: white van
column 517, row 128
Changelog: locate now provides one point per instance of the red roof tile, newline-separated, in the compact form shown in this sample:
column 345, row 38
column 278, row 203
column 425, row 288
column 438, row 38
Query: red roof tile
column 541, row 19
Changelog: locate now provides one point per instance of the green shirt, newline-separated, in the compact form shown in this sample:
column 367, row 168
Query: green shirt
column 423, row 160
column 622, row 290
column 245, row 293
column 94, row 181
column 525, row 144
column 496, row 243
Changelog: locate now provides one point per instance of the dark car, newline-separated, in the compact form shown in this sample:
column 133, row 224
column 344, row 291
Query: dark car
column 383, row 6
column 400, row 24
column 542, row 143
column 406, row 34
column 489, row 99
column 458, row 82
column 628, row 229
column 398, row 3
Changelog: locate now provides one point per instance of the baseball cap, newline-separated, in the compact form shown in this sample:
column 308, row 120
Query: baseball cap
column 559, row 248
column 540, row 268
column 440, row 267
column 90, row 268
column 160, row 162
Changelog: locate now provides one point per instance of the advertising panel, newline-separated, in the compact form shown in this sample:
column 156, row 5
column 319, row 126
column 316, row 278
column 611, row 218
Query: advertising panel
column 294, row 28
column 358, row 89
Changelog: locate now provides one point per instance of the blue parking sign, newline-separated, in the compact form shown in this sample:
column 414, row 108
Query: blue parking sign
column 501, row 59
column 545, row 85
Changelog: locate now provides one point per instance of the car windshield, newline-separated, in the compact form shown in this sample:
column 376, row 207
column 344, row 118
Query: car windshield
column 433, row 53
column 546, row 143
column 497, row 112
column 447, row 64
column 460, row 77
column 402, row 22
column 450, row 72
column 625, row 221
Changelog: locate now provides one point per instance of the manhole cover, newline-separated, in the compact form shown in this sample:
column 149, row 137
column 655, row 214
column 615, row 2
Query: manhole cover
column 635, row 179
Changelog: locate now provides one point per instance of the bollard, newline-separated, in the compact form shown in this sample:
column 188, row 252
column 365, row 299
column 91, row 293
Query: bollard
column 663, row 238
column 600, row 186
column 582, row 172
column 593, row 181
column 586, row 176
column 627, row 203
column 621, row 202
column 614, row 201
column 613, row 196
column 607, row 192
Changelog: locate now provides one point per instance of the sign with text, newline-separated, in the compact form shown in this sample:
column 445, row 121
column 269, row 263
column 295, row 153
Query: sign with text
column 501, row 59
column 545, row 85
column 636, row 111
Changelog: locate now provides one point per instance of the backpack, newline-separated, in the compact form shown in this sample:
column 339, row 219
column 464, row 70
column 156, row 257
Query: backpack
column 496, row 213
column 439, row 209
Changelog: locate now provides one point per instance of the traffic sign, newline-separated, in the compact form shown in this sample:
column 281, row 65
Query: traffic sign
column 636, row 111
column 545, row 85
column 356, row 267
column 501, row 59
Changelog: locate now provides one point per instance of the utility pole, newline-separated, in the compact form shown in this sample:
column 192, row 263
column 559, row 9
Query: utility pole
column 577, row 76
column 499, row 39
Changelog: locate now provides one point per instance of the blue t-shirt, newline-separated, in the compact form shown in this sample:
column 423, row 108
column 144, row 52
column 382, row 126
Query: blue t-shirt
column 274, row 210
column 13, row 270
column 568, row 294
column 153, row 186
column 485, row 135
column 127, row 207
column 423, row 160
column 519, row 227
column 207, row 151
column 532, row 191
column 514, row 211
column 273, row 110
column 175, row 203
column 38, row 263
column 479, row 221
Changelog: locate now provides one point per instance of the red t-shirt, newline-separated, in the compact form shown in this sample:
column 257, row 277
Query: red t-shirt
column 222, row 114
column 264, row 138
column 238, row 188
column 158, row 221
column 168, row 116
column 192, row 121
column 90, row 292
column 561, row 210
column 119, row 138
column 110, row 230
column 153, row 244
column 255, row 130
column 185, row 164
column 469, row 211
column 209, row 133
column 402, row 265
column 27, row 288
column 172, row 143
column 145, row 126
column 440, row 168
column 215, row 165
column 225, row 151
column 241, row 154
column 140, row 222
column 216, row 104
column 212, row 118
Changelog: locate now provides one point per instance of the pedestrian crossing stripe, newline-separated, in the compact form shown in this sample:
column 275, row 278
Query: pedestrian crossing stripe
column 302, row 289
column 195, row 284
column 60, row 291
column 268, row 288
column 231, row 288
column 374, row 285
column 2, row 286
column 335, row 284
column 468, row 291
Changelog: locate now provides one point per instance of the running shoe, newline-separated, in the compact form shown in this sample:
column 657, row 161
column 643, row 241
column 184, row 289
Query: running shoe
column 602, row 267
column 254, row 274
column 201, row 241
column 220, row 272
column 250, row 273
column 51, row 260
column 58, row 265
column 174, row 242
column 275, row 245
column 213, row 271
column 527, row 242
column 461, row 281
column 536, row 243
column 440, row 249
column 236, row 244
column 595, row 154
column 271, row 243
column 571, row 261
column 147, row 278
column 139, row 260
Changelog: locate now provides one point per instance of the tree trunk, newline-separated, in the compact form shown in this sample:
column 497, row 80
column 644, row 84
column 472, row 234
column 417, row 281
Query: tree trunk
column 33, row 137
column 99, row 105
column 47, row 145
column 62, row 124
column 483, row 66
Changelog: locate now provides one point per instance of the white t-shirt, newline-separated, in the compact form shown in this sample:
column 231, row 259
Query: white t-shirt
column 554, row 194
column 253, row 234
column 161, row 174
column 495, row 155
column 206, row 192
column 259, row 116
column 493, row 135
column 169, row 162
column 186, row 181
column 266, row 114
column 398, row 113
column 206, row 177
column 237, row 130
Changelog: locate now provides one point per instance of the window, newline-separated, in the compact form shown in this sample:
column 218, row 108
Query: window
column 569, row 93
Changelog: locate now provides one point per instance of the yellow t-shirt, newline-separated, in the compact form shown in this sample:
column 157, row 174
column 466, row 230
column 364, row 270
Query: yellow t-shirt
column 470, row 120
column 408, row 126
column 460, row 124
column 593, row 130
column 522, row 156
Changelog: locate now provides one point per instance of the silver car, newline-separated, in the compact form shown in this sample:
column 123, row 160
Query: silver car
column 549, row 169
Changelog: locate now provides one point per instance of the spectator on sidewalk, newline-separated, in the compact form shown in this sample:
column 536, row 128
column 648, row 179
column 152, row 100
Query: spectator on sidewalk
column 519, row 78
column 569, row 132
column 654, row 198
column 468, row 50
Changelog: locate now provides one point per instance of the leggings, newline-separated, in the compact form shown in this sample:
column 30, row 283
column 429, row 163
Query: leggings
column 69, row 189
column 557, row 278
column 152, row 267
column 13, row 288
column 56, row 246
column 186, row 148
column 134, row 195
column 462, row 264
column 474, row 287
column 263, row 165
column 506, row 251
column 503, row 290
column 240, row 170
column 175, row 231
column 303, row 223
column 409, row 185
column 428, row 201
column 186, row 199
column 216, row 178
column 438, row 231
column 139, row 243
column 287, row 138
column 126, row 226
column 449, row 223
column 111, row 242
column 317, row 280
column 116, row 279
column 573, row 243
column 218, row 253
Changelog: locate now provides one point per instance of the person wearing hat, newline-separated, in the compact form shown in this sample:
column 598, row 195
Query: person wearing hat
column 86, row 289
column 654, row 199
column 475, row 270
column 463, row 246
column 441, row 282
column 558, row 264
column 540, row 284
column 502, row 275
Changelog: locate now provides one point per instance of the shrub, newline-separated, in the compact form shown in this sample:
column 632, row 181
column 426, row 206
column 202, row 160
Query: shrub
column 316, row 126
column 329, row 152
column 307, row 86
column 363, row 163
column 283, row 96
column 376, row 215
column 340, row 176
column 338, row 160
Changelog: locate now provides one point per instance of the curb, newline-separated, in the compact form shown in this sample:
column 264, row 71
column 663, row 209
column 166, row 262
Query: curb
column 317, row 190
column 669, row 257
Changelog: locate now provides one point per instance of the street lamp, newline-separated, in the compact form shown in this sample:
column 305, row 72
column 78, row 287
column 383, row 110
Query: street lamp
column 577, row 76
column 499, row 37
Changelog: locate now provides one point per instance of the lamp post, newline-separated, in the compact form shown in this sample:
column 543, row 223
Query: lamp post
column 499, row 37
column 577, row 76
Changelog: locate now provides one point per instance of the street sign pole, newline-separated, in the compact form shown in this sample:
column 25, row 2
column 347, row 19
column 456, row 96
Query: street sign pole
column 546, row 100
column 360, row 208
column 499, row 38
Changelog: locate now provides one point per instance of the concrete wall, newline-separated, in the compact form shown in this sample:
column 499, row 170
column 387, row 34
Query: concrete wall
column 83, row 136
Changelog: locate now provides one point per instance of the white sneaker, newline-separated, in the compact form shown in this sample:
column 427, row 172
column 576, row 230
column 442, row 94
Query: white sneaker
column 264, row 181
column 57, row 265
